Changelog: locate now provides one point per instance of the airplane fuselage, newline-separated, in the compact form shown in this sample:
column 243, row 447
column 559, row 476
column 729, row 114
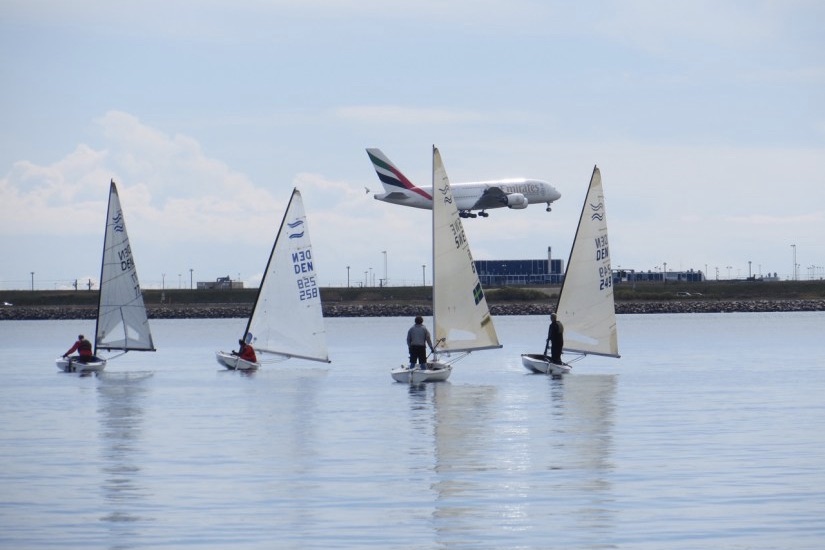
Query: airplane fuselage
column 467, row 195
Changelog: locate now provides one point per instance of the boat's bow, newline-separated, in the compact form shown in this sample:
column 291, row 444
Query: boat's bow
column 233, row 362
column 539, row 363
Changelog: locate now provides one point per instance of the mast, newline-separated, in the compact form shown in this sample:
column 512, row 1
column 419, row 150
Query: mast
column 432, row 241
column 112, row 190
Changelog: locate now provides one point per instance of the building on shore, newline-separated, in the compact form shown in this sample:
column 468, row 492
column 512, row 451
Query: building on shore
column 550, row 271
column 221, row 283
column 546, row 271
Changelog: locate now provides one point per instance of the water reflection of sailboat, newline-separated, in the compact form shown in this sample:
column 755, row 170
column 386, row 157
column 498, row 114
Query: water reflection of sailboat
column 501, row 468
column 121, row 418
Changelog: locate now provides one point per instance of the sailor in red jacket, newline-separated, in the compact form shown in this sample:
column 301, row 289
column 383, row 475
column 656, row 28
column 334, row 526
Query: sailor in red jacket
column 83, row 348
column 246, row 352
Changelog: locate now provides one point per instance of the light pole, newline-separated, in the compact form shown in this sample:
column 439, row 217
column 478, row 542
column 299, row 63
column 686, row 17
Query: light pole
column 423, row 275
column 729, row 268
column 793, row 276
column 347, row 276
column 664, row 277
column 32, row 272
column 190, row 278
column 384, row 252
column 163, row 281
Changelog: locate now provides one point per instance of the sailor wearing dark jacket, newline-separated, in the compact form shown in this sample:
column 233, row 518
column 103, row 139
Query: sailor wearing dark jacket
column 418, row 337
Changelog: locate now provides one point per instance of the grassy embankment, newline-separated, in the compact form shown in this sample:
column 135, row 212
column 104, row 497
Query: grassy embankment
column 625, row 292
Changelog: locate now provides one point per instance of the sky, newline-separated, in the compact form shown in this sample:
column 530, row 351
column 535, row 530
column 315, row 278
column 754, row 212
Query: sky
column 706, row 119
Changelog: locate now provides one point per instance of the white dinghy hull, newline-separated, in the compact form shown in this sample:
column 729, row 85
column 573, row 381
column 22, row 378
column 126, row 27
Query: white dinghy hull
column 538, row 363
column 435, row 372
column 233, row 362
column 72, row 364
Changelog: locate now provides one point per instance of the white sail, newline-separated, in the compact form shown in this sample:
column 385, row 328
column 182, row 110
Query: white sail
column 461, row 317
column 287, row 318
column 586, row 306
column 121, row 317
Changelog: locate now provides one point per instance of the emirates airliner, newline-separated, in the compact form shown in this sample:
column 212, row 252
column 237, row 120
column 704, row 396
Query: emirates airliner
column 481, row 195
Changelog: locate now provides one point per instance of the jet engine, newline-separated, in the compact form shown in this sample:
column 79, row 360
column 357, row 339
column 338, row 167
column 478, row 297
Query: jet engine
column 516, row 201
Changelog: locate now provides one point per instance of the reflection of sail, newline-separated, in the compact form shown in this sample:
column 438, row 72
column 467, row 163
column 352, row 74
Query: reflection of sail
column 121, row 417
column 582, row 423
column 281, row 427
column 462, row 444
column 534, row 460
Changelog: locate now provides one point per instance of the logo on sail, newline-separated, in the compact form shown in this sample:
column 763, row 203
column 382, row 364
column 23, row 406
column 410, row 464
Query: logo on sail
column 118, row 222
column 597, row 208
column 478, row 293
column 448, row 199
column 295, row 225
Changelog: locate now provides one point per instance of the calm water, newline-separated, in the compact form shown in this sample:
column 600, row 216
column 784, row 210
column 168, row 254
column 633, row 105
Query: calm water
column 709, row 432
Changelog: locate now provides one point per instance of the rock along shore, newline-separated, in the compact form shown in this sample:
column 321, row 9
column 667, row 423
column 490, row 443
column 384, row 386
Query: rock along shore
column 377, row 309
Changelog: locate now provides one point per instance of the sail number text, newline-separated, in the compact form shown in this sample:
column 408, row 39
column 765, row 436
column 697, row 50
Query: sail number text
column 127, row 263
column 605, row 277
column 603, row 255
column 602, row 252
column 305, row 275
column 126, row 260
column 458, row 234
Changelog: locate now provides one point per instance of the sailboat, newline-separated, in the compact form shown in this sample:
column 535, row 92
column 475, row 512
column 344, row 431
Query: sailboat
column 122, row 324
column 461, row 317
column 287, row 319
column 586, row 306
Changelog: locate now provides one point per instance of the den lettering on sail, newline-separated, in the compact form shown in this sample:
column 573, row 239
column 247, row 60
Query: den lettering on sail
column 302, row 266
column 125, row 257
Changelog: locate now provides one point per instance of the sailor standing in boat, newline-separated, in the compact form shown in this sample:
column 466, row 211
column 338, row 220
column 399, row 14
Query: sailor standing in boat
column 418, row 337
column 555, row 339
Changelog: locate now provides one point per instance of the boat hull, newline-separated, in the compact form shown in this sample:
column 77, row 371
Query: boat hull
column 435, row 372
column 233, row 362
column 536, row 362
column 73, row 364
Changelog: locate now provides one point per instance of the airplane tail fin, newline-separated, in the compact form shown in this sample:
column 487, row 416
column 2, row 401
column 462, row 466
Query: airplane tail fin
column 390, row 176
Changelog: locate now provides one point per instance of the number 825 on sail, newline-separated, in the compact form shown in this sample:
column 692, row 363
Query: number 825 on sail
column 307, row 288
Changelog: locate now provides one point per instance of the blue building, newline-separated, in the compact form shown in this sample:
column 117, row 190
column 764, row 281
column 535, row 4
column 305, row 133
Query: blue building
column 520, row 272
column 494, row 273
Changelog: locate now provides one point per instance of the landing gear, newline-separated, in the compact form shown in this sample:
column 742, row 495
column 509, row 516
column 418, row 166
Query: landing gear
column 548, row 208
column 468, row 214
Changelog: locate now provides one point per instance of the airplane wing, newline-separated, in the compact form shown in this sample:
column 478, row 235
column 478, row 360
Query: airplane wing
column 493, row 197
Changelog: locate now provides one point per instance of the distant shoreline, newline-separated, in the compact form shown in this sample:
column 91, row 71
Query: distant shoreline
column 378, row 309
column 390, row 301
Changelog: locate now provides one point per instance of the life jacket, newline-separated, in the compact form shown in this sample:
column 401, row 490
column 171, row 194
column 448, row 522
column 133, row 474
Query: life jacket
column 85, row 348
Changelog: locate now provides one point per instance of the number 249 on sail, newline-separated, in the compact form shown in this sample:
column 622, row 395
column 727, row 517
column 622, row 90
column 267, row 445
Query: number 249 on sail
column 605, row 277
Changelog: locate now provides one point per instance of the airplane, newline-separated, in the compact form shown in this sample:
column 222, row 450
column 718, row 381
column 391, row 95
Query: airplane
column 481, row 195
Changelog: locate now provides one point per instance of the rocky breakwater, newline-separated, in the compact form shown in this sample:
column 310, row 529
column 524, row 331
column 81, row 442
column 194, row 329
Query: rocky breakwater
column 386, row 309
column 720, row 306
